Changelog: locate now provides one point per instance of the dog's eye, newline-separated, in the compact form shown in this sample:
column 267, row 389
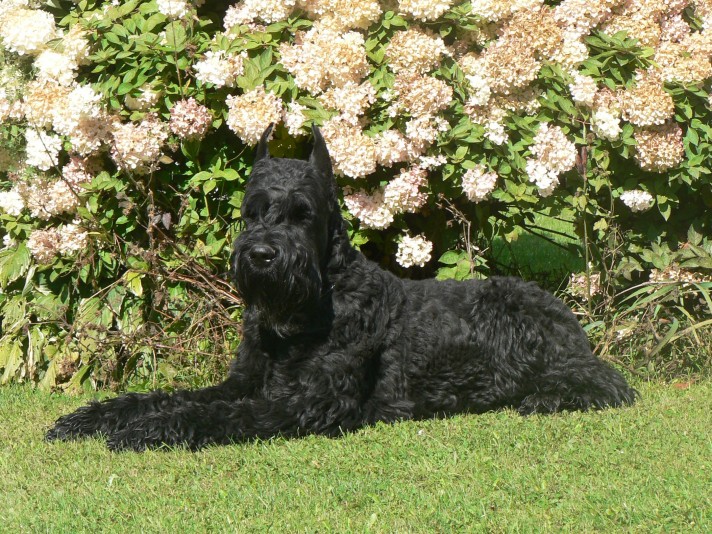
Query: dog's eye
column 300, row 212
column 255, row 211
column 247, row 216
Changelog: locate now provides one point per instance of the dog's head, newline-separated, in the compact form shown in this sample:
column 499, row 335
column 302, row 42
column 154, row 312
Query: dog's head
column 290, row 211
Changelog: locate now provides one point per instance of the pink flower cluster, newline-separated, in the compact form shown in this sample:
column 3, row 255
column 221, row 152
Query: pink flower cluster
column 403, row 194
column 251, row 113
column 190, row 120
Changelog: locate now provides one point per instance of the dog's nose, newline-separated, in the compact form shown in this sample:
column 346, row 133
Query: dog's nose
column 262, row 254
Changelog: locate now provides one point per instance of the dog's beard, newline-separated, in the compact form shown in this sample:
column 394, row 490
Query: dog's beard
column 282, row 292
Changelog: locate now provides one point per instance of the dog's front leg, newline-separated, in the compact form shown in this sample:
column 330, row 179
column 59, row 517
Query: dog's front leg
column 107, row 416
column 195, row 425
column 110, row 416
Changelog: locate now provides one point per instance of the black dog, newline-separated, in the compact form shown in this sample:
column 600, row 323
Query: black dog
column 332, row 342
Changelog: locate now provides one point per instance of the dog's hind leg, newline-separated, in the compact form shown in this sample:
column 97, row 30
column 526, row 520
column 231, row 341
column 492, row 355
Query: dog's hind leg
column 580, row 385
column 539, row 355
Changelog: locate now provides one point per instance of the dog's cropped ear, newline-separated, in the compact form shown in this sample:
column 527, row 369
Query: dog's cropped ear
column 263, row 145
column 319, row 158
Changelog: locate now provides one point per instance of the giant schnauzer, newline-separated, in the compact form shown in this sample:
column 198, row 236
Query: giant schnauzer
column 332, row 342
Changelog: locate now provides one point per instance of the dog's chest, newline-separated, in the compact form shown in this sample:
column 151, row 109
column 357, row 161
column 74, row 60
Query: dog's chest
column 289, row 370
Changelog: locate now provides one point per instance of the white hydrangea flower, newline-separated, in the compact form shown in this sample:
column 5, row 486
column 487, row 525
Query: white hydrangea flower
column 53, row 65
column 583, row 286
column 606, row 124
column 491, row 10
column 554, row 154
column 403, row 194
column 219, row 68
column 415, row 51
column 76, row 46
column 553, row 149
column 137, row 146
column 659, row 148
column 353, row 153
column 391, row 147
column 25, row 31
column 81, row 103
column 414, row 251
column 431, row 162
column 294, row 119
column 546, row 179
column 46, row 198
column 424, row 9
column 5, row 105
column 248, row 11
column 8, row 241
column 425, row 129
column 43, row 244
column 42, row 149
column 190, row 120
column 478, row 184
column 72, row 238
column 572, row 52
column 583, row 89
column 173, row 9
column 351, row 99
column 637, row 200
column 647, row 104
column 496, row 132
column 322, row 58
column 481, row 92
column 342, row 15
column 251, row 113
column 11, row 202
column 371, row 210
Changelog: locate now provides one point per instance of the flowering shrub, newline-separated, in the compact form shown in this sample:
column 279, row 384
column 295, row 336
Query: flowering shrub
column 126, row 129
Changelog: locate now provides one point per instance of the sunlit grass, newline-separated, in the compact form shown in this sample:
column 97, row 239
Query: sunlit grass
column 646, row 468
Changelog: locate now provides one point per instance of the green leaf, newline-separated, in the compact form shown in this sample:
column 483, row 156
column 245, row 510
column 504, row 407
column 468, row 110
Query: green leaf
column 692, row 137
column 132, row 280
column 209, row 185
column 201, row 177
column 125, row 88
column 89, row 311
column 49, row 380
column 463, row 270
column 451, row 257
column 14, row 263
column 176, row 36
column 11, row 358
column 665, row 209
column 15, row 316
column 693, row 236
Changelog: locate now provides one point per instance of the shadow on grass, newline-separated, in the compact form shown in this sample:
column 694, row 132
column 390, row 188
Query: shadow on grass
column 548, row 261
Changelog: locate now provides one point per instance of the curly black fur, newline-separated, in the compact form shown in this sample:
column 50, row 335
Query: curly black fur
column 332, row 342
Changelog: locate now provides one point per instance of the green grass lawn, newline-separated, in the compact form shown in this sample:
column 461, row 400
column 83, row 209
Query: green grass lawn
column 642, row 469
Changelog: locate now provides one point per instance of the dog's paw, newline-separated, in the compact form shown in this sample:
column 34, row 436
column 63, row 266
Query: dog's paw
column 84, row 422
column 544, row 403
